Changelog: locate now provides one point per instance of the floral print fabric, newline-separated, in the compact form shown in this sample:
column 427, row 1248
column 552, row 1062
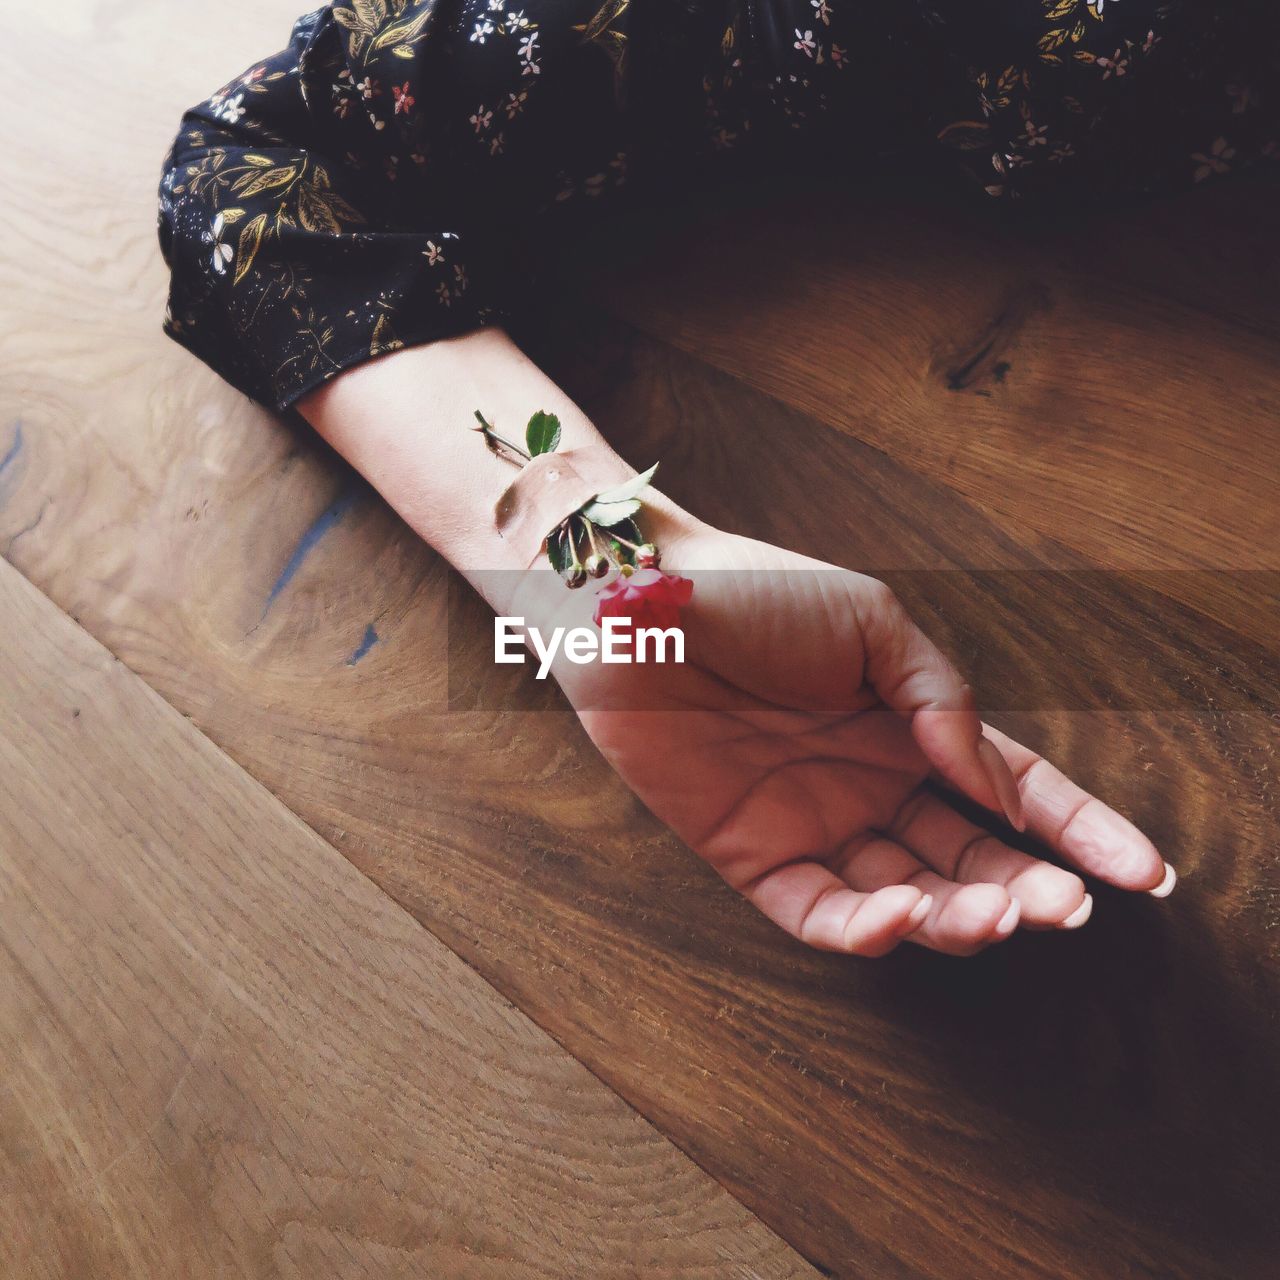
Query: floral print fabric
column 394, row 175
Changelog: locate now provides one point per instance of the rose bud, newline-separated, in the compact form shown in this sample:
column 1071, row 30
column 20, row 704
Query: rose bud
column 596, row 566
column 574, row 575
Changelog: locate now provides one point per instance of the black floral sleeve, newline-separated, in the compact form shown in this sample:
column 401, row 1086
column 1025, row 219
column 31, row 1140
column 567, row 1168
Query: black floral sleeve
column 388, row 178
column 394, row 175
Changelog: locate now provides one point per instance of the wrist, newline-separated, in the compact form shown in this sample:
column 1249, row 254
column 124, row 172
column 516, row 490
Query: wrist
column 406, row 421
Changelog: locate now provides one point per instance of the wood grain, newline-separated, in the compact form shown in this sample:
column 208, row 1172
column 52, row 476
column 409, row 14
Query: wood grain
column 226, row 1052
column 1039, row 374
column 1094, row 538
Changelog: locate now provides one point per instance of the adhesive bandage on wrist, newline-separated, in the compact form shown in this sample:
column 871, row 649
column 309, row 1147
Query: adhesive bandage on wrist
column 550, row 488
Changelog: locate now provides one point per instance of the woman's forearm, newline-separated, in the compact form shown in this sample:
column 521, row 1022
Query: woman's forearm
column 405, row 421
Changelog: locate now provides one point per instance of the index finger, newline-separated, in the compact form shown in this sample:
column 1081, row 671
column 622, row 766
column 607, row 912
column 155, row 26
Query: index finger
column 1086, row 832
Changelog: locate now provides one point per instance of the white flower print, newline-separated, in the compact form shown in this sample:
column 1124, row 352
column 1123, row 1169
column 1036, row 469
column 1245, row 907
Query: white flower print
column 222, row 253
column 1116, row 65
column 516, row 20
column 1216, row 161
column 495, row 5
column 528, row 46
column 839, row 56
column 232, row 109
column 1151, row 41
column 368, row 87
column 822, row 11
column 495, row 144
column 805, row 42
column 1033, row 134
column 482, row 118
column 433, row 254
column 1096, row 7
column 444, row 294
column 515, row 103
column 484, row 29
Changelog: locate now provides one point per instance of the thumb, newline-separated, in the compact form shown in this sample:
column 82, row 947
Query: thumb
column 915, row 679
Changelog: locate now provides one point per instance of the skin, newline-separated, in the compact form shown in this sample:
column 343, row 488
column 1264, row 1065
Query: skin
column 808, row 746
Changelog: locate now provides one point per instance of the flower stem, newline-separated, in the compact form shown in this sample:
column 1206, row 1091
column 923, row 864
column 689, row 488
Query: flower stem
column 626, row 542
column 596, row 549
column 493, row 439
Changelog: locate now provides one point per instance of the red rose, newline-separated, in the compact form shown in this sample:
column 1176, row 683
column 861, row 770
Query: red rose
column 649, row 597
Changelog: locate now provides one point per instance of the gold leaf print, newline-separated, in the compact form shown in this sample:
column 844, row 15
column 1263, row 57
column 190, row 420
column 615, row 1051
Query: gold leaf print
column 384, row 338
column 320, row 210
column 250, row 240
column 372, row 13
column 610, row 10
column 967, row 135
column 403, row 32
column 614, row 43
column 231, row 216
column 1056, row 10
column 314, row 212
column 343, row 211
column 251, row 184
column 258, row 162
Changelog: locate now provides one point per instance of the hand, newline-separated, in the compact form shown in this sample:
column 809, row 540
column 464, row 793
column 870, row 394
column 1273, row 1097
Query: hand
column 806, row 749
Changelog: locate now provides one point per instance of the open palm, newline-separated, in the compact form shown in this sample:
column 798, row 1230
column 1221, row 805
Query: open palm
column 806, row 749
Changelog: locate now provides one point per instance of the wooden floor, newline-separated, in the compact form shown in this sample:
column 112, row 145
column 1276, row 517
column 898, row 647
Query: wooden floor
column 290, row 986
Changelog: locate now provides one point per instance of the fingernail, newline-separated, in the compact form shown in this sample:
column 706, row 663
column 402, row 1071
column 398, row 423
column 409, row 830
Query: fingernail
column 1165, row 887
column 920, row 912
column 1009, row 921
column 1002, row 783
column 1080, row 914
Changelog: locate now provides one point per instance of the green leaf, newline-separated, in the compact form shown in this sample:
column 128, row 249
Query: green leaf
column 628, row 529
column 628, row 488
column 558, row 550
column 631, row 531
column 542, row 435
column 607, row 514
